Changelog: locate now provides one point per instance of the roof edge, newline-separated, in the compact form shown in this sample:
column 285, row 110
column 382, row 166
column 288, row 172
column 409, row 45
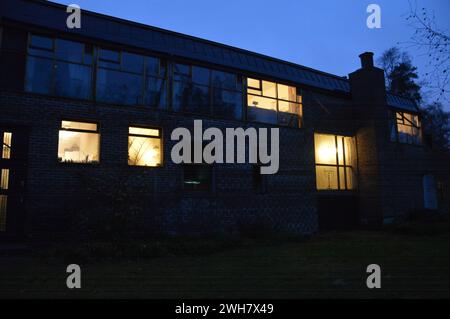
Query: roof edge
column 215, row 43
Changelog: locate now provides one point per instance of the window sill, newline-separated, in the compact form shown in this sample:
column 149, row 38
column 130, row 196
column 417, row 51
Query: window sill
column 337, row 192
column 94, row 164
column 145, row 167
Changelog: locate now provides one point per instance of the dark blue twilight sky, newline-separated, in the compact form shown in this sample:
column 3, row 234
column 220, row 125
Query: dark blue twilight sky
column 323, row 34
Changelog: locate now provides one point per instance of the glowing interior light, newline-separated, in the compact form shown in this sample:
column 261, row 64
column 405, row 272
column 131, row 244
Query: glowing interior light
column 6, row 152
column 325, row 149
column 67, row 134
column 335, row 162
column 326, row 153
column 151, row 157
column 144, row 151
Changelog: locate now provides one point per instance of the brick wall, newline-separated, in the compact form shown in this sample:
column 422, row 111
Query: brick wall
column 288, row 204
column 390, row 173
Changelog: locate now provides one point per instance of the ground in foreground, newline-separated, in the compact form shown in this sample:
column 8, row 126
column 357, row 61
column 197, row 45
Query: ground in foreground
column 415, row 264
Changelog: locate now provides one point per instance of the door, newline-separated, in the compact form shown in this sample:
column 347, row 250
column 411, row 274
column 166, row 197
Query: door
column 12, row 181
column 430, row 192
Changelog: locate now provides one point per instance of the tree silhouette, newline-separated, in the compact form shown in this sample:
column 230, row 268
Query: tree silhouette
column 401, row 76
column 434, row 43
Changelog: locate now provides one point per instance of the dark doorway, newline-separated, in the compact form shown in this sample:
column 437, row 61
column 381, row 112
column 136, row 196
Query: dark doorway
column 13, row 168
column 337, row 211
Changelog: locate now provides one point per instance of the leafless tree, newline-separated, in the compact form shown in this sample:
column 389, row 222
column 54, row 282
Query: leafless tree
column 433, row 42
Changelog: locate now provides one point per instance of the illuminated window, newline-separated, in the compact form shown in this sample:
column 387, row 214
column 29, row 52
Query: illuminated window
column 408, row 129
column 274, row 103
column 4, row 178
column 79, row 142
column 335, row 162
column 144, row 146
column 6, row 149
column 3, row 204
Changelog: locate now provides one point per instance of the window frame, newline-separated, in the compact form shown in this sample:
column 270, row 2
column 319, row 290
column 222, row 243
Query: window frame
column 160, row 96
column 97, row 131
column 144, row 75
column 212, row 88
column 338, row 165
column 298, row 99
column 210, row 190
column 160, row 137
column 6, row 150
column 55, row 60
column 406, row 122
column 4, row 178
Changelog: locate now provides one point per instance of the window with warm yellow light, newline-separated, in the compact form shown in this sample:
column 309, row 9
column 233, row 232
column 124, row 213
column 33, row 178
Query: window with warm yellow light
column 79, row 142
column 335, row 162
column 273, row 103
column 408, row 129
column 144, row 147
column 4, row 178
column 6, row 148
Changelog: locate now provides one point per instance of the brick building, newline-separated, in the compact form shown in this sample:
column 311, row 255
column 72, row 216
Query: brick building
column 86, row 117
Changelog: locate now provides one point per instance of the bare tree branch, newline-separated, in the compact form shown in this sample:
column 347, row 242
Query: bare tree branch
column 429, row 40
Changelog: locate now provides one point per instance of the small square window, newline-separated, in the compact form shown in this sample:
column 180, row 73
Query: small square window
column 409, row 129
column 144, row 146
column 197, row 177
column 79, row 142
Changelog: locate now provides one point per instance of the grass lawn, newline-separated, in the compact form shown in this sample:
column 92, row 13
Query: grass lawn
column 415, row 264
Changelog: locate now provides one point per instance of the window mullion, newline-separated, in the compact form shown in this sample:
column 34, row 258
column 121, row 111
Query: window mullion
column 344, row 155
column 144, row 80
column 337, row 162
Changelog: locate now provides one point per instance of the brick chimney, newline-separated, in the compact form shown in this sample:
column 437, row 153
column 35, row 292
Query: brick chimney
column 366, row 60
column 371, row 118
column 367, row 83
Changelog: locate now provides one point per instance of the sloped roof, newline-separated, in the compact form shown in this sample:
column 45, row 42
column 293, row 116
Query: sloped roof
column 53, row 16
column 401, row 102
